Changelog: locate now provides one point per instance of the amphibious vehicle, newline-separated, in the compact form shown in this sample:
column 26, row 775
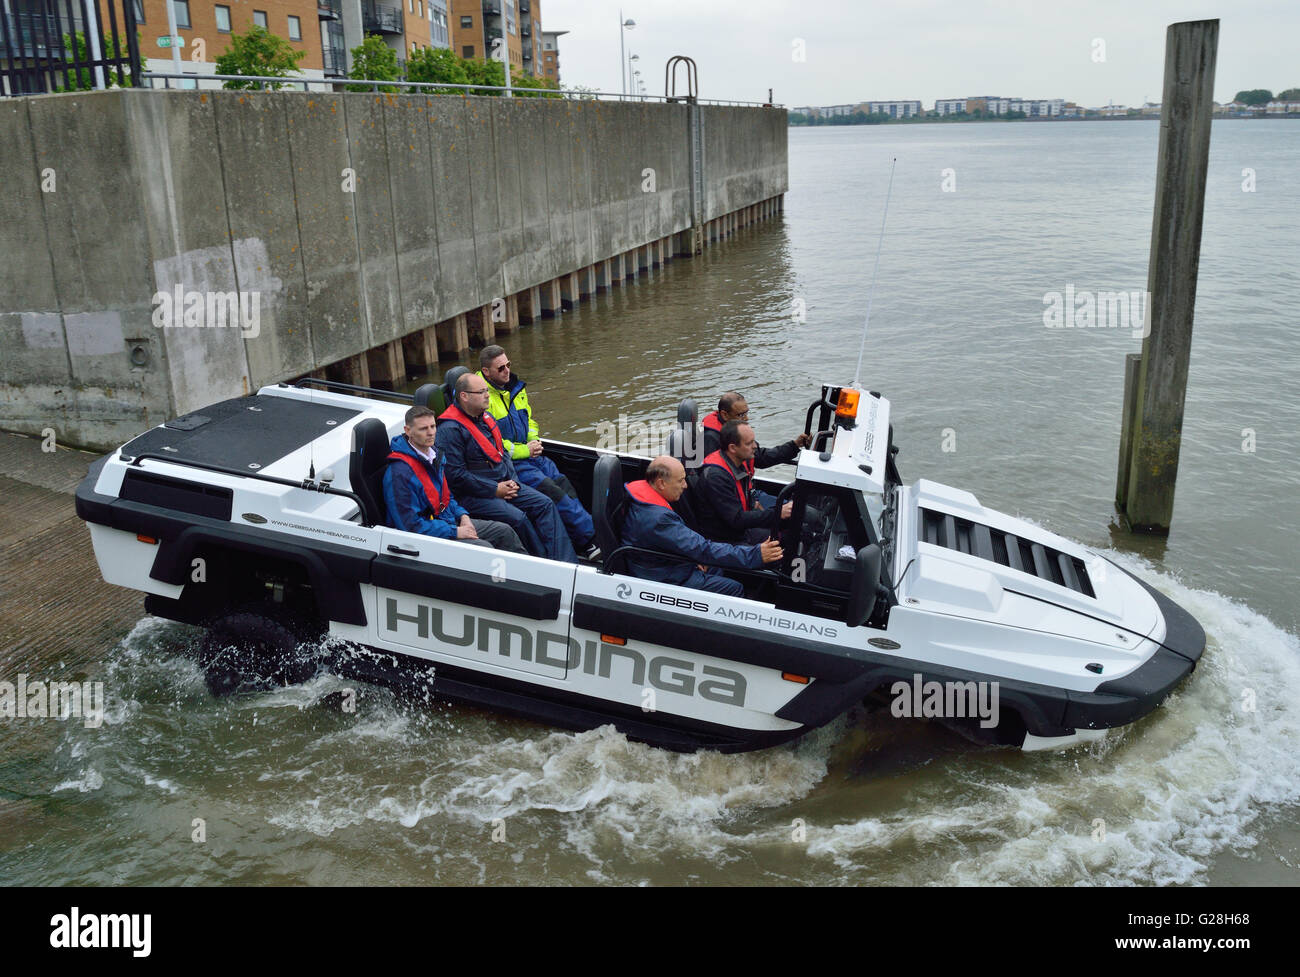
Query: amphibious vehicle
column 262, row 519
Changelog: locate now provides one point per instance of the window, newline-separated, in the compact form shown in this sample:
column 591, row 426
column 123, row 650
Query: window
column 182, row 8
column 467, row 51
column 139, row 11
column 420, row 4
column 223, row 19
column 295, row 29
column 259, row 18
column 467, row 22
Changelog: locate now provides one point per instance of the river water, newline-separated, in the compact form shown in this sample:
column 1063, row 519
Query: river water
column 985, row 397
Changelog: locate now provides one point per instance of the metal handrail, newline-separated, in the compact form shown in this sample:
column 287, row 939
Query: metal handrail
column 419, row 87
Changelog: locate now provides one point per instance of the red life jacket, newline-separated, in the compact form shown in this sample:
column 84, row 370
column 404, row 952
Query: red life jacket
column 642, row 492
column 439, row 499
column 717, row 459
column 712, row 422
column 493, row 449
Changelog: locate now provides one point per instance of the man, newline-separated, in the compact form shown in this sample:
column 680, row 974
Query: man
column 484, row 478
column 726, row 504
column 652, row 523
column 732, row 406
column 509, row 407
column 417, row 497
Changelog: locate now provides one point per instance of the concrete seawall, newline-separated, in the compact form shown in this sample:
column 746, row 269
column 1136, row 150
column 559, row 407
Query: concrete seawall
column 377, row 232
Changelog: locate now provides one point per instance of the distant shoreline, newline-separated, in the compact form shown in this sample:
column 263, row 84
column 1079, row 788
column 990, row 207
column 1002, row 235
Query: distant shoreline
column 949, row 120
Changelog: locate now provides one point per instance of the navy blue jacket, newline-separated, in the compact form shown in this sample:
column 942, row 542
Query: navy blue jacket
column 472, row 474
column 659, row 527
column 405, row 499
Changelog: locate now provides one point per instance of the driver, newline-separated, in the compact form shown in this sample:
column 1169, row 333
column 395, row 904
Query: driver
column 726, row 506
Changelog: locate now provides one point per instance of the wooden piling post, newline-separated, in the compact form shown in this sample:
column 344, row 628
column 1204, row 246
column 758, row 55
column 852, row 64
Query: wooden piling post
column 1146, row 495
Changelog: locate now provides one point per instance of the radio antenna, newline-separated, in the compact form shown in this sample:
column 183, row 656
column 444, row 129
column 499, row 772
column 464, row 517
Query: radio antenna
column 857, row 374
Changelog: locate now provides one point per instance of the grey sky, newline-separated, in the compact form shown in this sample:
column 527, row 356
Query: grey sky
column 924, row 49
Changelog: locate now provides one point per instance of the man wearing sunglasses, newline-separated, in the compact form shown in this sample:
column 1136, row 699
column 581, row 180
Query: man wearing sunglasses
column 509, row 407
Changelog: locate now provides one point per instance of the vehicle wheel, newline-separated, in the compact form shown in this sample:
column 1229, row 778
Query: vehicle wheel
column 251, row 650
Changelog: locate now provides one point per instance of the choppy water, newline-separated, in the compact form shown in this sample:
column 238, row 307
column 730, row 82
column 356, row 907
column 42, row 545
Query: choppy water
column 292, row 789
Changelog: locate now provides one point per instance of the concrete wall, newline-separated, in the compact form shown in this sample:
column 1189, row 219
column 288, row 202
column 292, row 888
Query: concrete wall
column 356, row 218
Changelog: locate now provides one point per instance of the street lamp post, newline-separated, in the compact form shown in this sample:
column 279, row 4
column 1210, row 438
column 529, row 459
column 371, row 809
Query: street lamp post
column 622, row 26
column 631, row 88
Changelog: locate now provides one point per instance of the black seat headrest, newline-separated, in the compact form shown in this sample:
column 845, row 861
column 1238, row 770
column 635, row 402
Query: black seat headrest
column 449, row 383
column 687, row 412
column 366, row 464
column 607, row 504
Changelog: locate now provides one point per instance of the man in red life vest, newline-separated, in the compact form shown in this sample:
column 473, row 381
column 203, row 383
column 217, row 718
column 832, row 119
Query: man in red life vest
column 724, row 492
column 732, row 406
column 484, row 478
column 651, row 522
column 418, row 498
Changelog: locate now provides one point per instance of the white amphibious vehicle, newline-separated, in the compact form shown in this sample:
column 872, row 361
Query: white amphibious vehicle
column 262, row 519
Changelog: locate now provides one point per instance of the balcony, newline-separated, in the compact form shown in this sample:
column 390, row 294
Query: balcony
column 526, row 30
column 329, row 9
column 491, row 8
column 335, row 61
column 525, row 6
column 377, row 18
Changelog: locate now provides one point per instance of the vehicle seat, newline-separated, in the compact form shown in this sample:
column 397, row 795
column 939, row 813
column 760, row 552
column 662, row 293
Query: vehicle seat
column 370, row 449
column 609, row 503
column 429, row 395
column 448, row 388
column 684, row 441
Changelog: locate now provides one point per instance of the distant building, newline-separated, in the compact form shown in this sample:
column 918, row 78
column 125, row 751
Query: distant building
column 895, row 110
column 950, row 106
column 551, row 55
column 1282, row 108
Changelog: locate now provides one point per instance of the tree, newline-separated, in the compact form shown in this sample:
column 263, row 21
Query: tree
column 83, row 79
column 376, row 61
column 1254, row 96
column 258, row 52
column 486, row 72
column 438, row 64
column 530, row 87
column 1290, row 95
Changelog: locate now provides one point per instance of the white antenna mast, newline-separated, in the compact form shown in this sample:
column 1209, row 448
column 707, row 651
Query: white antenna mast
column 857, row 374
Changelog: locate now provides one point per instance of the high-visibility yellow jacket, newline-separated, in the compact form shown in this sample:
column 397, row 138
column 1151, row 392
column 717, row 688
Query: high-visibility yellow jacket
column 509, row 408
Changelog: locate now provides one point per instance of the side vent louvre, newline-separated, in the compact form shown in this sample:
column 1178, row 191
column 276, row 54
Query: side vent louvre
column 986, row 543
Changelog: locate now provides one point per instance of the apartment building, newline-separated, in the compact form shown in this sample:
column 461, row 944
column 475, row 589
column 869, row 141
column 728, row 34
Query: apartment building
column 895, row 110
column 551, row 55
column 480, row 28
column 326, row 30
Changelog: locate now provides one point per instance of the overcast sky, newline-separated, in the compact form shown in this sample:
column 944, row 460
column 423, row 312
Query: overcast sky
column 926, row 49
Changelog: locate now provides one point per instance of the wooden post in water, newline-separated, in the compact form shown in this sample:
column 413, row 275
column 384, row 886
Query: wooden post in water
column 1152, row 433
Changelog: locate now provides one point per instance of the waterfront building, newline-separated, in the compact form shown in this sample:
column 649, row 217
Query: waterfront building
column 325, row 30
column 481, row 28
column 551, row 55
column 895, row 110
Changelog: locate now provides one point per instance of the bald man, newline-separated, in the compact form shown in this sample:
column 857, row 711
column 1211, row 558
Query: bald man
column 652, row 523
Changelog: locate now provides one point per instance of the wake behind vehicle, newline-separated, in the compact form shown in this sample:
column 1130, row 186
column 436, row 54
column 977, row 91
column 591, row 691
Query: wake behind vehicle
column 221, row 519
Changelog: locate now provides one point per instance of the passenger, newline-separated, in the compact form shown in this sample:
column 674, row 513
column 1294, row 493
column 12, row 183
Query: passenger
column 652, row 523
column 732, row 406
column 724, row 494
column 508, row 404
column 417, row 497
column 484, row 478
